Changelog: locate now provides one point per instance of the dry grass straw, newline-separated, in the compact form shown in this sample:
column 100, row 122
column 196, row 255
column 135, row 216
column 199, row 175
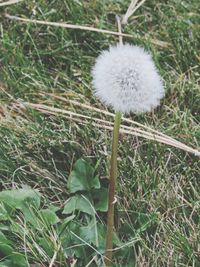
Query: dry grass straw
column 65, row 25
column 141, row 131
column 11, row 2
column 87, row 28
column 134, row 5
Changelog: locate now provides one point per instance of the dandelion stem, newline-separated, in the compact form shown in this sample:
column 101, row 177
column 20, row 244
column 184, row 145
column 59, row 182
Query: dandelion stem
column 111, row 192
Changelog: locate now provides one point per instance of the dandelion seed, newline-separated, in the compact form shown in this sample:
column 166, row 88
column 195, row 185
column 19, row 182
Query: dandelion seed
column 125, row 78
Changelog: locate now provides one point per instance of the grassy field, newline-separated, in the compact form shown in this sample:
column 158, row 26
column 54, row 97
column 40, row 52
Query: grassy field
column 158, row 219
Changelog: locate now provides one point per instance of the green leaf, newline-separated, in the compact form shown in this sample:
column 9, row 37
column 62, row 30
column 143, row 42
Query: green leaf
column 69, row 219
column 5, row 249
column 100, row 198
column 18, row 260
column 31, row 215
column 40, row 219
column 49, row 216
column 82, row 177
column 89, row 233
column 65, row 223
column 95, row 233
column 66, row 236
column 17, row 198
column 3, row 239
column 80, row 203
column 53, row 208
column 3, row 213
column 47, row 246
column 6, row 263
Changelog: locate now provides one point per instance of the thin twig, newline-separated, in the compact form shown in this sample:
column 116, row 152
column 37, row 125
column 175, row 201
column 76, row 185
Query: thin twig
column 66, row 25
column 108, row 114
column 109, row 126
column 87, row 28
column 150, row 130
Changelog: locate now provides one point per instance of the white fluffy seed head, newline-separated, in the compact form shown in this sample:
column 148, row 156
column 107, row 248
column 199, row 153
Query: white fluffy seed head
column 125, row 78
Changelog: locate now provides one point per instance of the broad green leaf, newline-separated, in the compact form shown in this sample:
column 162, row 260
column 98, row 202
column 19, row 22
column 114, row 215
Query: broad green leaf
column 53, row 208
column 80, row 203
column 49, row 216
column 102, row 231
column 3, row 213
column 6, row 263
column 66, row 236
column 3, row 239
column 47, row 246
column 31, row 215
column 17, row 198
column 40, row 218
column 95, row 233
column 82, row 177
column 18, row 260
column 89, row 233
column 100, row 198
column 69, row 219
column 65, row 223
column 5, row 249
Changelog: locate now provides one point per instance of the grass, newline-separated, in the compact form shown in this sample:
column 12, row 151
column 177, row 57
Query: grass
column 158, row 196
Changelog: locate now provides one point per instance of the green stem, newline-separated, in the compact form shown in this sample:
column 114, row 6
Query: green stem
column 111, row 193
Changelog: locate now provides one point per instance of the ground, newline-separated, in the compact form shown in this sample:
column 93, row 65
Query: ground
column 158, row 193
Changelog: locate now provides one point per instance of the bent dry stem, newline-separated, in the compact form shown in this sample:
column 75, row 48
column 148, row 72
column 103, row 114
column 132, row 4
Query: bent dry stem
column 111, row 192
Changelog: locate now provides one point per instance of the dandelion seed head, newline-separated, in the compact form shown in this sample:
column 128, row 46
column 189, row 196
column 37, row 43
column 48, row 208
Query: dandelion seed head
column 125, row 78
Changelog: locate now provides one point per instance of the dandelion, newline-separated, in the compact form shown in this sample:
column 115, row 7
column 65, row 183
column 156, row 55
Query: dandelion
column 125, row 78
